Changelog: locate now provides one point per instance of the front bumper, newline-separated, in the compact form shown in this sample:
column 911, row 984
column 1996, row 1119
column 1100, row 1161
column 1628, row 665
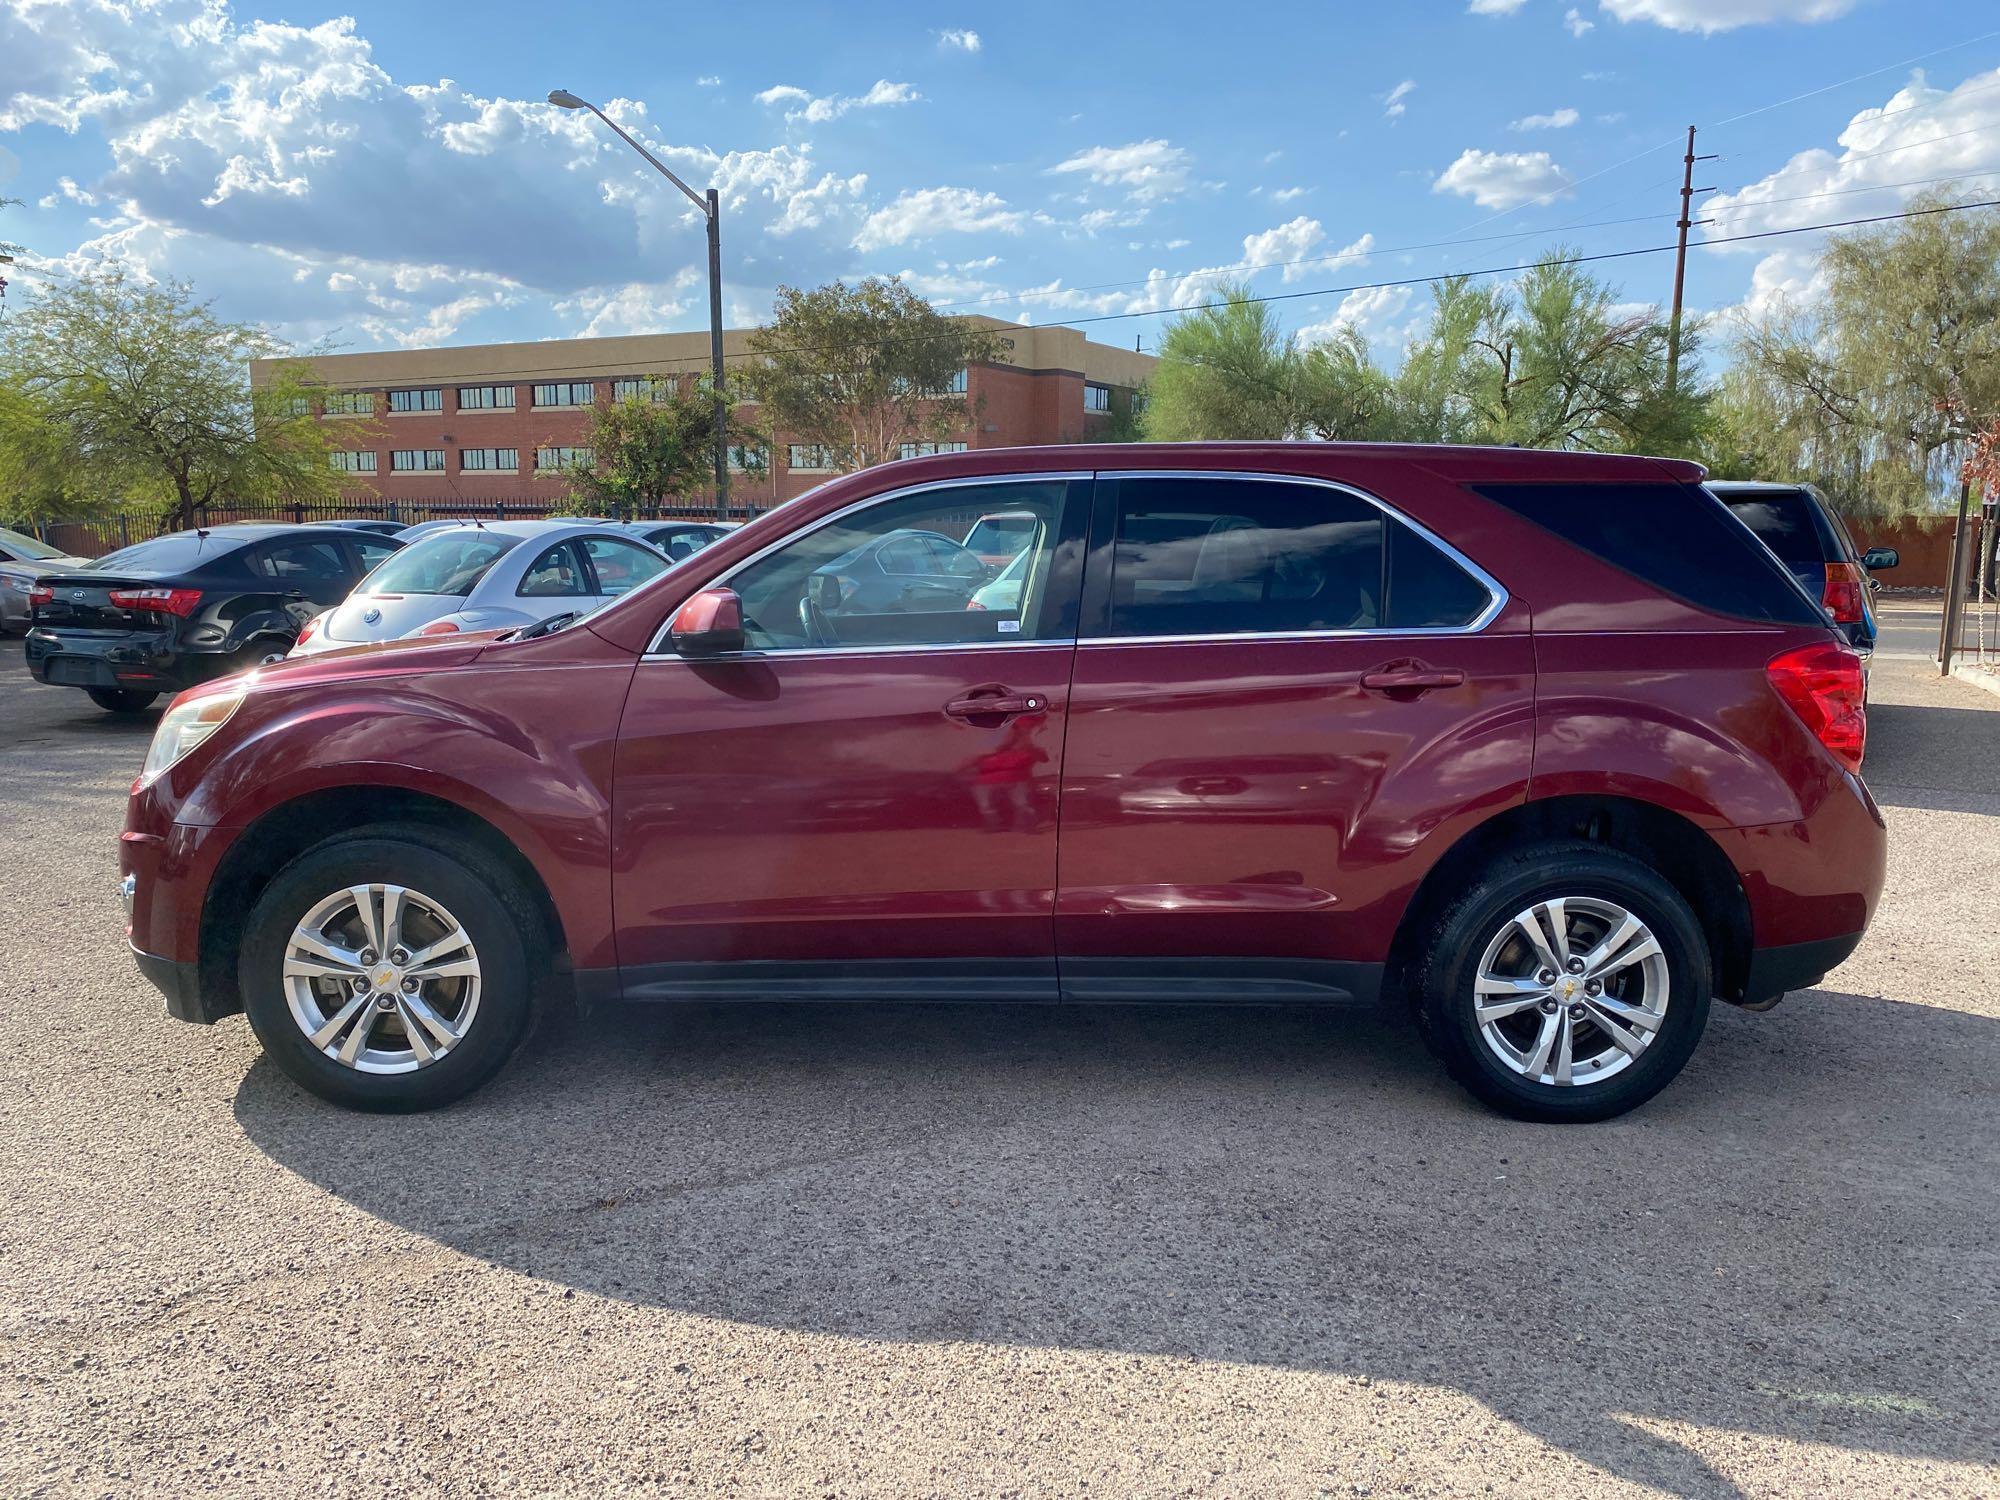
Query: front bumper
column 181, row 985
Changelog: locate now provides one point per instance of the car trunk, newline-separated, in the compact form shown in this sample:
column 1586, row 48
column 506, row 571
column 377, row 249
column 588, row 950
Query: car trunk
column 81, row 601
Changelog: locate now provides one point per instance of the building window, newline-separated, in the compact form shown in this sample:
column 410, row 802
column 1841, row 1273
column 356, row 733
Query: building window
column 566, row 393
column 427, row 400
column 748, row 460
column 644, row 388
column 562, row 458
column 489, row 460
column 350, row 403
column 1097, row 398
column 415, row 460
column 957, row 386
column 1138, row 403
column 486, row 398
column 295, row 406
column 349, row 462
column 925, row 450
column 809, row 458
column 952, row 387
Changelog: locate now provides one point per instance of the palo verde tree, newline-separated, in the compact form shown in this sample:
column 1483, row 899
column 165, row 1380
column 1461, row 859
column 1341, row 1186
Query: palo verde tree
column 656, row 447
column 860, row 370
column 141, row 389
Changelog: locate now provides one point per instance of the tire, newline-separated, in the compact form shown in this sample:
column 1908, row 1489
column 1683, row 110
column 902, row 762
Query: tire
column 450, row 882
column 121, row 700
column 1597, row 887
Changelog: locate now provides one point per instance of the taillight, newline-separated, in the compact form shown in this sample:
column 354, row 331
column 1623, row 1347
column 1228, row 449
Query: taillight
column 39, row 595
column 1845, row 588
column 438, row 627
column 180, row 602
column 974, row 603
column 308, row 630
column 1822, row 685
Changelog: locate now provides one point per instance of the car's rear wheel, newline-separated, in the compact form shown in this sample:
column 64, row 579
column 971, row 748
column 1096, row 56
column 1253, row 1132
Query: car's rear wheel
column 121, row 700
column 1569, row 982
column 382, row 973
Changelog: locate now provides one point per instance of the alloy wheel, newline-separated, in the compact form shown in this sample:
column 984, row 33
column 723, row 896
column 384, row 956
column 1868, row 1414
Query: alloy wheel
column 382, row 978
column 1571, row 991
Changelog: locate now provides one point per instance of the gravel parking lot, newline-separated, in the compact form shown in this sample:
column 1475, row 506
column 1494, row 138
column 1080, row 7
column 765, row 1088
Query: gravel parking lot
column 937, row 1250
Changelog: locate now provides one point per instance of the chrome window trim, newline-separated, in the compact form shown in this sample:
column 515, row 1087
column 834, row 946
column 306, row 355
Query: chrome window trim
column 1496, row 592
column 660, row 651
column 1066, row 643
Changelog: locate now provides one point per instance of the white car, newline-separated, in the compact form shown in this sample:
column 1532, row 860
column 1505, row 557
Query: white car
column 493, row 576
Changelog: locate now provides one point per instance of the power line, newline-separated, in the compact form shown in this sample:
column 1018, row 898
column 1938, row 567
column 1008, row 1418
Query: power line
column 1857, row 78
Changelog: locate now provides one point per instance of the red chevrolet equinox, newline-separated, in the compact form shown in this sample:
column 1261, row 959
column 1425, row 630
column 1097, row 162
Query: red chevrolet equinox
column 1547, row 745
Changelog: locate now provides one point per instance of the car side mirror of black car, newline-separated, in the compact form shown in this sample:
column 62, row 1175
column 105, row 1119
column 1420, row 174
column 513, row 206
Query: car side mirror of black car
column 708, row 624
column 1881, row 557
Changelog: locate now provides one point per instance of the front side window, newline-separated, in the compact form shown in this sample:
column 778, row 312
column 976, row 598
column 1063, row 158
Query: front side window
column 897, row 573
column 1225, row 556
column 565, row 393
column 621, row 566
column 415, row 460
column 557, row 573
column 493, row 460
column 425, row 400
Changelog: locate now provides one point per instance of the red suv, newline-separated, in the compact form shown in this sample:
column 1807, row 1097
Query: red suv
column 1548, row 744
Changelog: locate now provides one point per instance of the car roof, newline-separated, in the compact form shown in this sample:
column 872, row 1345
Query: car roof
column 528, row 530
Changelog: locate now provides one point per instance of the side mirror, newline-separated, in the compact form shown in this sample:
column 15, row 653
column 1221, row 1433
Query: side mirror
column 708, row 624
column 1881, row 557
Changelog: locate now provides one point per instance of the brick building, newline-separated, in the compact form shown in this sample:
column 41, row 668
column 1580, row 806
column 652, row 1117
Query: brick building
column 482, row 423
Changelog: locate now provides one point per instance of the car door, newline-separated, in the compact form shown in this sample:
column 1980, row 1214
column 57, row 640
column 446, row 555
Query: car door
column 1285, row 700
column 307, row 576
column 862, row 801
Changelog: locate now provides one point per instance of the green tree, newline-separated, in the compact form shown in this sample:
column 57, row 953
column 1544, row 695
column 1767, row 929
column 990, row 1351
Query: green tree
column 140, row 390
column 655, row 448
column 860, row 370
column 1877, row 389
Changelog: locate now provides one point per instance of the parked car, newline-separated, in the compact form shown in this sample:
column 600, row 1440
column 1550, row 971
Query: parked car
column 998, row 540
column 1004, row 592
column 679, row 539
column 1809, row 537
column 1544, row 743
column 907, row 571
column 494, row 577
column 189, row 606
column 22, row 561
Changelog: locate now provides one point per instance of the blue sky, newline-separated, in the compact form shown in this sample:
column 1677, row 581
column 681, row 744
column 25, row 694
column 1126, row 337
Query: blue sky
column 384, row 175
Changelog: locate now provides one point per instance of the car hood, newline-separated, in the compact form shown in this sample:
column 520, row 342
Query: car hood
column 395, row 614
column 376, row 658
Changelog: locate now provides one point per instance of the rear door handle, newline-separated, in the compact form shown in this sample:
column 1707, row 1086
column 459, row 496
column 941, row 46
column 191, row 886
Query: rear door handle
column 994, row 703
column 1411, row 679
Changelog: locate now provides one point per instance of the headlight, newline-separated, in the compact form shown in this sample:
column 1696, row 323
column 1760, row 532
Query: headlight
column 185, row 726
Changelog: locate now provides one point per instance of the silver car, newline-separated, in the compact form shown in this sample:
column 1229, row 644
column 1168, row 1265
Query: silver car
column 487, row 576
column 22, row 560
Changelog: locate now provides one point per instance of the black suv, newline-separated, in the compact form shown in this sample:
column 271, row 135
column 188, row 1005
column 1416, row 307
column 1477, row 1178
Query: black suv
column 167, row 613
column 1809, row 538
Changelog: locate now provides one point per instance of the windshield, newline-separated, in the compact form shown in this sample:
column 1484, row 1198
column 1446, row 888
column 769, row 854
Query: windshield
column 450, row 562
column 27, row 546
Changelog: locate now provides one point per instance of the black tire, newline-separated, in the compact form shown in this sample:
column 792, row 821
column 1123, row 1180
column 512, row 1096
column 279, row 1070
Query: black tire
column 497, row 916
column 121, row 700
column 1449, row 953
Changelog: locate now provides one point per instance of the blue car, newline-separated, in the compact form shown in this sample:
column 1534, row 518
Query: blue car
column 1810, row 539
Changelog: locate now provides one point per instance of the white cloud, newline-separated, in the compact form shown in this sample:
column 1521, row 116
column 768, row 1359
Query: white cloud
column 817, row 110
column 66, row 188
column 942, row 210
column 1495, row 7
column 1918, row 133
column 636, row 307
column 952, row 39
column 1710, row 16
column 1560, row 119
column 1574, row 19
column 1147, row 170
column 709, row 81
column 1372, row 312
column 1503, row 179
column 1286, row 195
column 1392, row 102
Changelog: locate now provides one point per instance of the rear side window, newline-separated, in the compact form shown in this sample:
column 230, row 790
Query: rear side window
column 1221, row 556
column 304, row 562
column 1674, row 537
column 1783, row 522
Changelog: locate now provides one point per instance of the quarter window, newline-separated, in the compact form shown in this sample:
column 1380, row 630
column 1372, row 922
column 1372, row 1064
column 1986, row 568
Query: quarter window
column 415, row 460
column 565, row 393
column 897, row 573
column 486, row 398
column 621, row 566
column 425, row 400
column 556, row 574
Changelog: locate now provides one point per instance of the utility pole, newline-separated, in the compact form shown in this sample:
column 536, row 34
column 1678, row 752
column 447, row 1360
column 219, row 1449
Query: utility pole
column 1688, row 190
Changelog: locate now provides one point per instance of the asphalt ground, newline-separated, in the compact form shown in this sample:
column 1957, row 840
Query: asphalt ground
column 921, row 1250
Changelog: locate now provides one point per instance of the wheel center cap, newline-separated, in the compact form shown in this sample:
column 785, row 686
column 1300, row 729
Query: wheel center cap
column 1568, row 985
column 384, row 977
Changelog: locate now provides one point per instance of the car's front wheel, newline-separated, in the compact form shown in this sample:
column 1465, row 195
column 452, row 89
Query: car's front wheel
column 1569, row 982
column 381, row 972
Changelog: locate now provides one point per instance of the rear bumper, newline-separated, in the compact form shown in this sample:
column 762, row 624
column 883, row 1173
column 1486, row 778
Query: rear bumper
column 1776, row 972
column 180, row 983
column 137, row 663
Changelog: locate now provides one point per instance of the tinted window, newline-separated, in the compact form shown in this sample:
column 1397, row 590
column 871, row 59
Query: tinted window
column 1675, row 537
column 303, row 563
column 1427, row 590
column 622, row 566
column 19, row 548
column 450, row 562
column 180, row 552
column 879, row 576
column 1230, row 556
column 556, row 574
column 1783, row 522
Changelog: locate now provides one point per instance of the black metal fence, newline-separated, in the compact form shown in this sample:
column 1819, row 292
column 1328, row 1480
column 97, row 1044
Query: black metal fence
column 94, row 538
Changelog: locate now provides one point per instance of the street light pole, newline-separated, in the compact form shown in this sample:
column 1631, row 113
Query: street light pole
column 711, row 207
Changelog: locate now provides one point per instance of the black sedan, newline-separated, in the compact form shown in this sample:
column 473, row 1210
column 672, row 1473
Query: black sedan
column 167, row 613
column 679, row 539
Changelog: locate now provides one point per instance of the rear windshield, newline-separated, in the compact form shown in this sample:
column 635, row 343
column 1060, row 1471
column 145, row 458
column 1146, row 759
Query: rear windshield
column 450, row 562
column 1676, row 537
column 178, row 552
column 1783, row 522
column 27, row 546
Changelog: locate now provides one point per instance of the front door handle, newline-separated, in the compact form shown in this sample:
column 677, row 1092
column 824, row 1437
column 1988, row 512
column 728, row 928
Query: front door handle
column 1411, row 679
column 995, row 703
